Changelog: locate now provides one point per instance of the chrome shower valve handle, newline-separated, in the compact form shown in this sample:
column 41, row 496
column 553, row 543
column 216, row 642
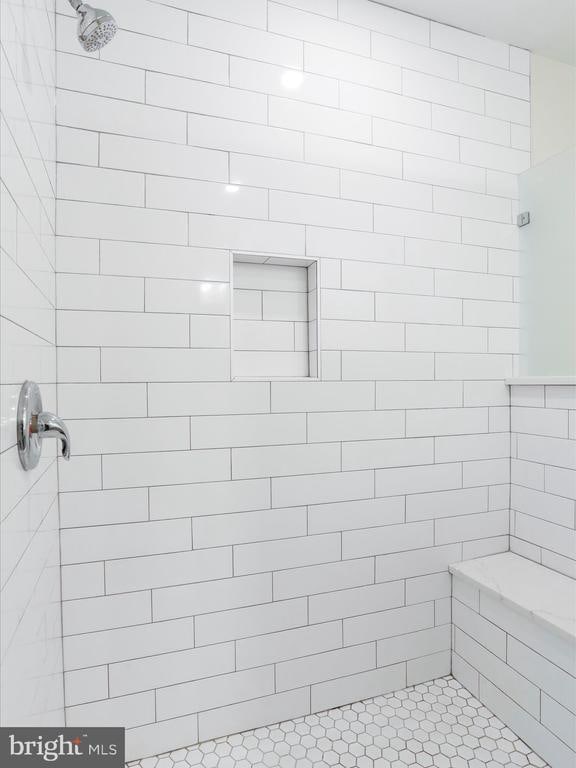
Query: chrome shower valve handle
column 33, row 425
column 49, row 425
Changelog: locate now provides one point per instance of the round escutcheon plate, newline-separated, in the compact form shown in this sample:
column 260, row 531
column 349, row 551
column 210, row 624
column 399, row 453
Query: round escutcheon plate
column 29, row 443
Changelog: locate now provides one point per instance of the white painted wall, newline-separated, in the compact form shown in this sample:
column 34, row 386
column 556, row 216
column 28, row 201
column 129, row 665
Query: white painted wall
column 553, row 96
column 548, row 245
column 238, row 552
column 31, row 643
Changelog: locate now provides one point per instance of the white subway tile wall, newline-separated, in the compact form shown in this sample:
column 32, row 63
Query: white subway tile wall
column 543, row 476
column 244, row 525
column 30, row 615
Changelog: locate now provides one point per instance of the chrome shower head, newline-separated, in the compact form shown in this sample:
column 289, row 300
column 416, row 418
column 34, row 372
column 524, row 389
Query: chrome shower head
column 95, row 26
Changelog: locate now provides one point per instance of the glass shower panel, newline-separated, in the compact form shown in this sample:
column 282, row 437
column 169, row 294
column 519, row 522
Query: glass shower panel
column 548, row 268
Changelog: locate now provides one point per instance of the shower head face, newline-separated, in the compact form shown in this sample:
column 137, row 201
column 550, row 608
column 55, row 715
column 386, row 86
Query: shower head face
column 95, row 27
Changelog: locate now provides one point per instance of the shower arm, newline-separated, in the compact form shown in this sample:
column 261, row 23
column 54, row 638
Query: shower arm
column 76, row 4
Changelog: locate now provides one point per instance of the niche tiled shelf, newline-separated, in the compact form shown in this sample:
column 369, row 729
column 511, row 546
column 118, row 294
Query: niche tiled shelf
column 431, row 725
column 274, row 317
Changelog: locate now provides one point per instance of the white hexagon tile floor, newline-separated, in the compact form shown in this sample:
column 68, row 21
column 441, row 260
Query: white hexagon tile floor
column 431, row 725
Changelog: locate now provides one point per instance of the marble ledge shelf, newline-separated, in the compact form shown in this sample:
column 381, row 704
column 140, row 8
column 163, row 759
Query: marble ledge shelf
column 547, row 381
column 549, row 598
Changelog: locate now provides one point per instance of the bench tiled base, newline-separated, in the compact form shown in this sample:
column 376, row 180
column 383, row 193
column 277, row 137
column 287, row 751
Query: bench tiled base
column 514, row 647
column 436, row 724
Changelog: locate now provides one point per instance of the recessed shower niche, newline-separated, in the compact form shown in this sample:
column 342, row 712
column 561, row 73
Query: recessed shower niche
column 275, row 329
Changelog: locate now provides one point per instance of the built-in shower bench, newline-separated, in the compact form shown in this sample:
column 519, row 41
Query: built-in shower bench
column 514, row 647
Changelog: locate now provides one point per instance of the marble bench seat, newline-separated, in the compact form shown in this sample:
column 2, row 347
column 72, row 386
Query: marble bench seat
column 514, row 647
